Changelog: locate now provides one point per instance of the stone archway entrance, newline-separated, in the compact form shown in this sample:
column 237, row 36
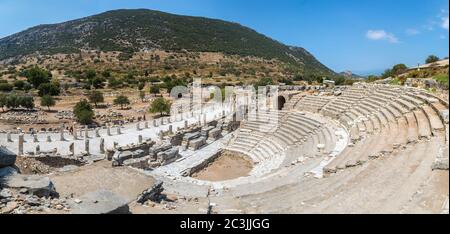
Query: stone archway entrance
column 280, row 102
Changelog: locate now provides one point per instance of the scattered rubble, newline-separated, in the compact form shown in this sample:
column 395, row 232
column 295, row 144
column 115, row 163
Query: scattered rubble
column 152, row 194
column 24, row 117
column 37, row 185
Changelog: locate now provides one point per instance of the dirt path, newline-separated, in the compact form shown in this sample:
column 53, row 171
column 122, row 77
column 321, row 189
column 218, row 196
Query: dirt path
column 226, row 167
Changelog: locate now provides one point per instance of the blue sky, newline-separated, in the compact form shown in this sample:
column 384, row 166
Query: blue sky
column 363, row 36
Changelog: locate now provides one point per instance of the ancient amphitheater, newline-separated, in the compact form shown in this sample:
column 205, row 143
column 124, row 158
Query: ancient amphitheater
column 358, row 149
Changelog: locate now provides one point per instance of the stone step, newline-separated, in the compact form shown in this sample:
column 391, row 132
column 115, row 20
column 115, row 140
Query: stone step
column 399, row 107
column 435, row 122
column 422, row 124
column 407, row 104
column 413, row 134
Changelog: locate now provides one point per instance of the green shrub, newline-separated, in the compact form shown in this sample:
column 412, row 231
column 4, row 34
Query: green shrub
column 83, row 112
column 161, row 106
column 122, row 101
column 14, row 101
column 442, row 79
column 51, row 89
column 48, row 101
column 37, row 76
column 5, row 87
column 96, row 97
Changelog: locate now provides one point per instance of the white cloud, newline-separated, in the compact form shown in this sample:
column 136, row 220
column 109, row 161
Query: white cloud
column 412, row 31
column 445, row 22
column 378, row 35
column 443, row 16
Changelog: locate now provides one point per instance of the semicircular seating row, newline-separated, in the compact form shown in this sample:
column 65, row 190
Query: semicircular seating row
column 380, row 119
column 266, row 136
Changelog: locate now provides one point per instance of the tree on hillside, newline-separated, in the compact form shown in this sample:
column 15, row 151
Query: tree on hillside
column 387, row 73
column 90, row 74
column 106, row 74
column 26, row 102
column 19, row 84
column 37, row 76
column 14, row 101
column 114, row 83
column 83, row 112
column 161, row 106
column 399, row 69
column 141, row 86
column 96, row 97
column 264, row 82
column 92, row 79
column 48, row 101
column 97, row 82
column 122, row 101
column 6, row 87
column 154, row 89
column 51, row 89
column 432, row 59
column 372, row 78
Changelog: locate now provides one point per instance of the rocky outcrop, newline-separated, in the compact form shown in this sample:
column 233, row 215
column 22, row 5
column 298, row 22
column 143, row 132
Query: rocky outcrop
column 13, row 201
column 32, row 184
column 152, row 194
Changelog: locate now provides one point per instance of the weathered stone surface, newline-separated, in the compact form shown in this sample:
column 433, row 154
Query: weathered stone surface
column 138, row 153
column 197, row 143
column 205, row 131
column 442, row 160
column 152, row 193
column 214, row 134
column 101, row 202
column 445, row 115
column 137, row 162
column 121, row 156
column 191, row 136
column 167, row 156
column 36, row 185
column 7, row 158
column 5, row 193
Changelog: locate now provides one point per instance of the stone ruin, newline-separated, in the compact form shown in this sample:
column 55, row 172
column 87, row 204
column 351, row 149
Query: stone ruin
column 131, row 154
column 149, row 154
column 22, row 117
column 152, row 194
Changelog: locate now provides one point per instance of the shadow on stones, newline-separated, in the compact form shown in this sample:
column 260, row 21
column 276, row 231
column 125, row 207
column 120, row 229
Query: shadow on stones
column 57, row 162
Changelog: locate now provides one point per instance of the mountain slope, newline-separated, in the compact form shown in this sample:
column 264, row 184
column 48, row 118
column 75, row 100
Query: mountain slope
column 350, row 75
column 139, row 30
